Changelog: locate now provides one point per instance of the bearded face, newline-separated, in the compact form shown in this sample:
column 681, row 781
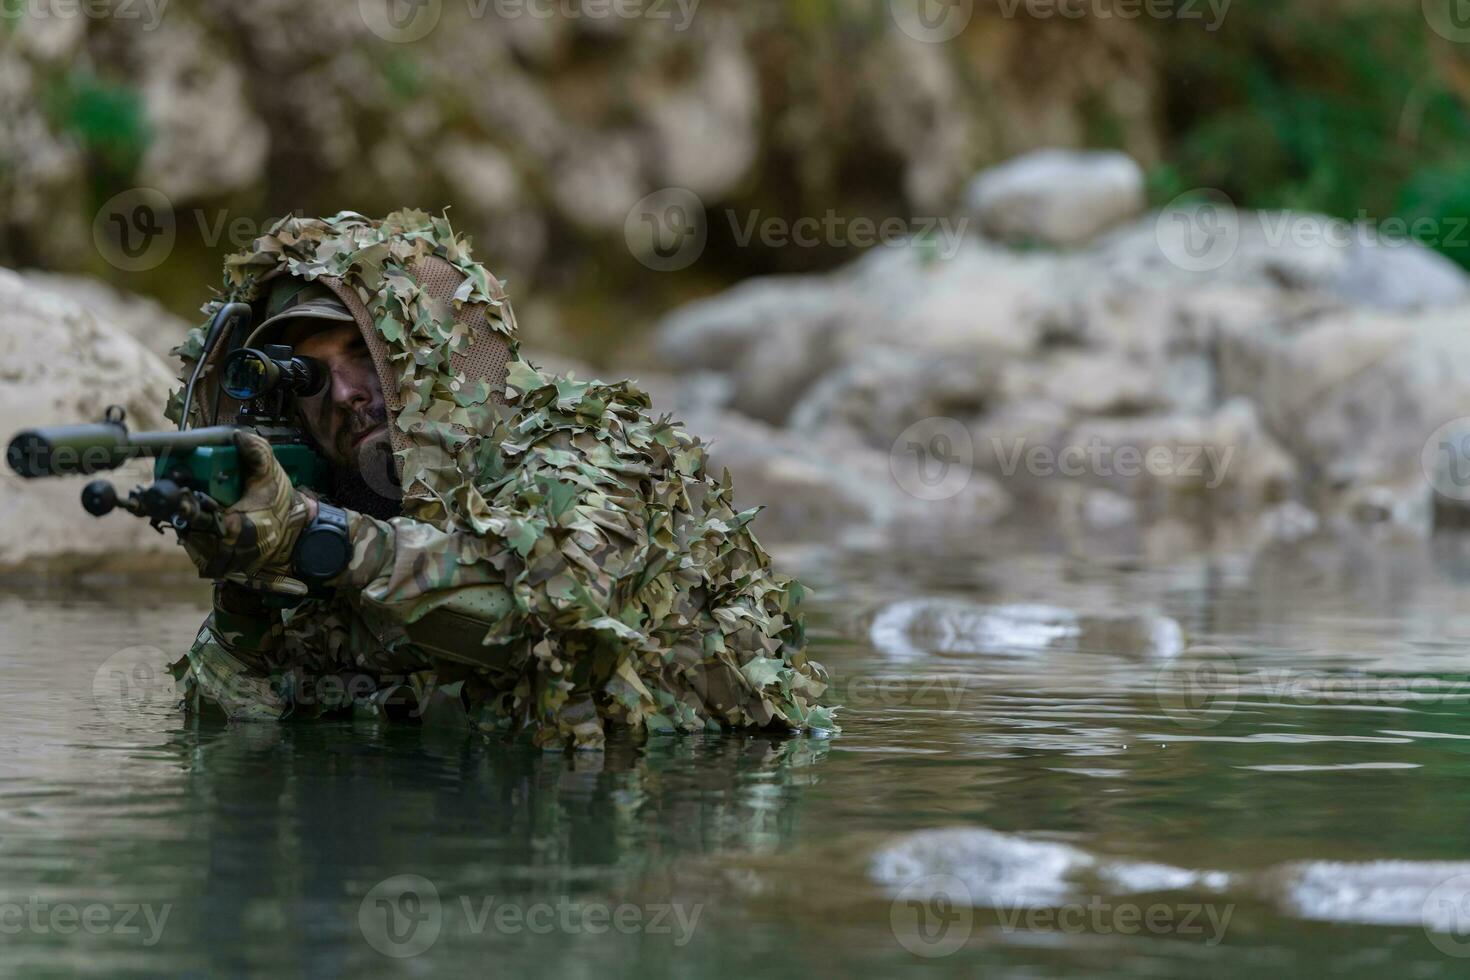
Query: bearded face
column 347, row 419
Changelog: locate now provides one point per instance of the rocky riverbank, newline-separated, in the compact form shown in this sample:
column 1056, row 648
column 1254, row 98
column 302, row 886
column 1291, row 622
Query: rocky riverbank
column 1074, row 362
column 1127, row 369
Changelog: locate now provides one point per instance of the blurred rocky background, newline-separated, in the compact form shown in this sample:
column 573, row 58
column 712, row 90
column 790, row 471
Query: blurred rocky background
column 1189, row 277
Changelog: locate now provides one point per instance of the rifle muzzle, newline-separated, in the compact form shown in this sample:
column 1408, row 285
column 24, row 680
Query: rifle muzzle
column 68, row 450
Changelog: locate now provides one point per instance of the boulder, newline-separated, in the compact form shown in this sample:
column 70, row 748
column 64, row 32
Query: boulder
column 1056, row 197
column 1223, row 462
column 1208, row 242
column 771, row 336
column 1399, row 274
column 145, row 319
column 64, row 364
column 828, row 489
column 1355, row 397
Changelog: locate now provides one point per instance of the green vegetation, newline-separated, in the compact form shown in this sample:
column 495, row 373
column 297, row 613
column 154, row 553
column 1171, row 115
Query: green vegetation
column 1353, row 113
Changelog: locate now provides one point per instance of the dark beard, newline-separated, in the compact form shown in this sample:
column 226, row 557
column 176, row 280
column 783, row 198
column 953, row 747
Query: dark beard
column 351, row 491
column 361, row 422
column 349, row 488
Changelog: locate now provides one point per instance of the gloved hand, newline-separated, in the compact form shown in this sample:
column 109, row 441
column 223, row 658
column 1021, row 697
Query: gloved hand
column 257, row 534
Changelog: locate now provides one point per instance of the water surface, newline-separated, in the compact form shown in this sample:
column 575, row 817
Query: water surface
column 1311, row 726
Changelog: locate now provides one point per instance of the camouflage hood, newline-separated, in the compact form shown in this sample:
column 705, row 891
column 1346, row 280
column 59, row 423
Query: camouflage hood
column 438, row 324
column 640, row 596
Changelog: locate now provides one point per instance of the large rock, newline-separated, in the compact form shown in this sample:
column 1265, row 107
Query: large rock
column 1400, row 275
column 771, row 336
column 144, row 319
column 63, row 364
column 1355, row 396
column 1056, row 197
column 1138, row 379
column 830, row 489
column 1208, row 242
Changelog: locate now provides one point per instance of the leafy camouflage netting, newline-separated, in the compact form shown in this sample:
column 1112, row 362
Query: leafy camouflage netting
column 638, row 594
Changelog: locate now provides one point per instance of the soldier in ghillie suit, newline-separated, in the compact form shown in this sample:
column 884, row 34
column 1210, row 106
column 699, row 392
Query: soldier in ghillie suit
column 530, row 552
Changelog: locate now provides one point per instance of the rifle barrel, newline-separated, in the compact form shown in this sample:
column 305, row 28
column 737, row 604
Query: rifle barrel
column 72, row 450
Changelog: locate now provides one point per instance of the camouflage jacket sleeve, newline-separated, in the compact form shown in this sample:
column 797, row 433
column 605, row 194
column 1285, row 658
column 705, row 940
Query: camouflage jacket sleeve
column 406, row 569
column 226, row 668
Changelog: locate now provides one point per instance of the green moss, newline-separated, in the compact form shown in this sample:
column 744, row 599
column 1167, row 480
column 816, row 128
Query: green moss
column 106, row 119
column 405, row 77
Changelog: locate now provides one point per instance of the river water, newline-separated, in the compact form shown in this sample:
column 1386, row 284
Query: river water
column 1041, row 774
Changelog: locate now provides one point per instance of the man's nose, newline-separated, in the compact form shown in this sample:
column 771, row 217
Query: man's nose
column 350, row 390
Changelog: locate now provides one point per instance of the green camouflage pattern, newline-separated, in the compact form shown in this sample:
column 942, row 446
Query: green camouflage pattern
column 630, row 590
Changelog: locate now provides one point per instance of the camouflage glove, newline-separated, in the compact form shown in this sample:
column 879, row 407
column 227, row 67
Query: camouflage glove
column 255, row 536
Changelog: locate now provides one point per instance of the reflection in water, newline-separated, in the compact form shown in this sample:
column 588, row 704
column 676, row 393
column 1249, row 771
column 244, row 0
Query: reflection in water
column 1278, row 794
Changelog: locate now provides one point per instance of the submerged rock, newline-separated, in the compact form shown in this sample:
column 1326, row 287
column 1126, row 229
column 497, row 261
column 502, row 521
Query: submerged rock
column 998, row 870
column 1433, row 894
column 1006, row 871
column 917, row 628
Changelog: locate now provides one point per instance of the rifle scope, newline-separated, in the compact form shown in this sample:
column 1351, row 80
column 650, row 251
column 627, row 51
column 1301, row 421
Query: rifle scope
column 252, row 373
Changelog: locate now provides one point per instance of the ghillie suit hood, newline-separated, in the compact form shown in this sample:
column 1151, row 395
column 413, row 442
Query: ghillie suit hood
column 638, row 594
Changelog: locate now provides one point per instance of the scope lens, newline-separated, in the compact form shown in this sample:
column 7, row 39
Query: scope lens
column 249, row 374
